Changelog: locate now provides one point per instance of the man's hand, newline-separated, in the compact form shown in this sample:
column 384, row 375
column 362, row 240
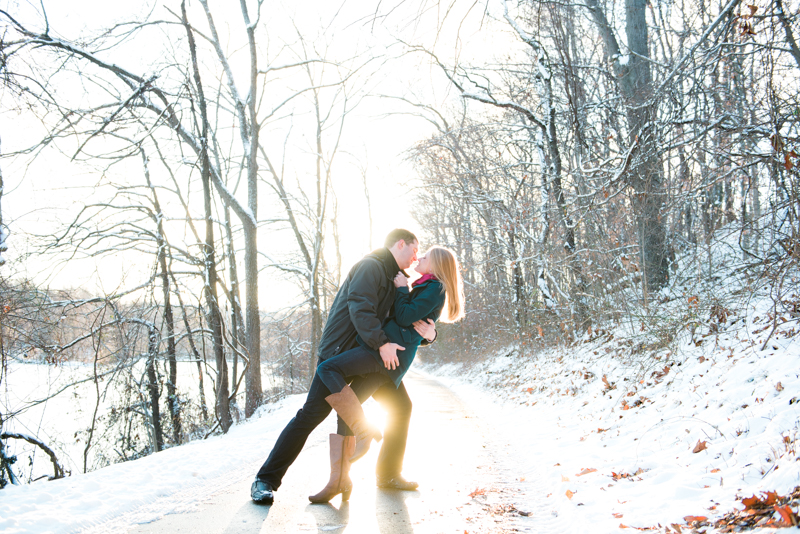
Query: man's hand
column 426, row 329
column 389, row 355
column 400, row 280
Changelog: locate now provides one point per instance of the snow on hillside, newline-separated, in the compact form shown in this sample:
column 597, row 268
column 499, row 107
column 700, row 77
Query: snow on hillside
column 629, row 431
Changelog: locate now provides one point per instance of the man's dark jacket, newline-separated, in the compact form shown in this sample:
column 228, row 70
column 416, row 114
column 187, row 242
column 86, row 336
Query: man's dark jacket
column 364, row 300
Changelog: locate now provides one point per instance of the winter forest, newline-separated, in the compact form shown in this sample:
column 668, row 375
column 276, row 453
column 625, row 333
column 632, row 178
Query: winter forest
column 184, row 185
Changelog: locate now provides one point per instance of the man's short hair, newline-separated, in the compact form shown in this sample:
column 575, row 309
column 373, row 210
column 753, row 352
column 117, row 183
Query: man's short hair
column 396, row 235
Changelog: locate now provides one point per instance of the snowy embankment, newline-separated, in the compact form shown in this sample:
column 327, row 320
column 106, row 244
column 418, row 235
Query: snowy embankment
column 143, row 487
column 622, row 434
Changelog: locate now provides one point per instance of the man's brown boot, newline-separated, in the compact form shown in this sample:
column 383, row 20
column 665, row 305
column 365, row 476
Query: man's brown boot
column 349, row 409
column 342, row 448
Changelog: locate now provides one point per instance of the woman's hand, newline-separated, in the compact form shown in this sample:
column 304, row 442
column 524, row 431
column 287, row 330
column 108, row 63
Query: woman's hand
column 400, row 280
column 426, row 329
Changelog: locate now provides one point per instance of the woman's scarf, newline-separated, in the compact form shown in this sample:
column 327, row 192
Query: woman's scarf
column 422, row 279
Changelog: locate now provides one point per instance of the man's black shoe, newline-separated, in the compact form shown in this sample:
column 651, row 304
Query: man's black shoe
column 261, row 492
column 396, row 483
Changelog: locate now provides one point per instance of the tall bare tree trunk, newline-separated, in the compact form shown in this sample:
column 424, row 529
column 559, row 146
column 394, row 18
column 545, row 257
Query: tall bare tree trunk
column 646, row 176
column 172, row 380
column 787, row 28
column 195, row 353
column 152, row 385
column 314, row 276
column 209, row 259
column 3, row 233
column 648, row 180
column 172, row 397
column 236, row 307
column 253, row 389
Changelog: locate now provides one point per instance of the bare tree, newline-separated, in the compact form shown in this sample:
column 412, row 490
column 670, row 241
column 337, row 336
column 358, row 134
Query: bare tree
column 3, row 228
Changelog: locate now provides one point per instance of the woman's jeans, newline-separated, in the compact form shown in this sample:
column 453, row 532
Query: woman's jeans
column 393, row 399
column 355, row 362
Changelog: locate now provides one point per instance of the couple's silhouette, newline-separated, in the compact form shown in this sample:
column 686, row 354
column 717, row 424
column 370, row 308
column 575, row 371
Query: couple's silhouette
column 374, row 327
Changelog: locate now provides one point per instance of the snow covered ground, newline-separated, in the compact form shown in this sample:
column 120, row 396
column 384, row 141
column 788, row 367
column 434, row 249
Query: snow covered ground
column 609, row 465
column 630, row 435
column 555, row 418
column 62, row 421
column 79, row 502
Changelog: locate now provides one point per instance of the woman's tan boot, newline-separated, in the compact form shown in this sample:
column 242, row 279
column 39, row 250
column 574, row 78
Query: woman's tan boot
column 342, row 448
column 349, row 409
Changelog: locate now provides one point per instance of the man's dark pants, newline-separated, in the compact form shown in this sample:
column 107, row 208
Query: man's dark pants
column 291, row 441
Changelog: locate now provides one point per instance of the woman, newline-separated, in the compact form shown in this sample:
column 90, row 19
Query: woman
column 439, row 291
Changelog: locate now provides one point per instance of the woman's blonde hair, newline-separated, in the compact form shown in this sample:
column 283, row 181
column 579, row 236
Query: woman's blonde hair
column 444, row 266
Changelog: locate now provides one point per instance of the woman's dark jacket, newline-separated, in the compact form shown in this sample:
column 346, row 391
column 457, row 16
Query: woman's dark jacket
column 424, row 302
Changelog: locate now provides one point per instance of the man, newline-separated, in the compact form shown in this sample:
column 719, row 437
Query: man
column 361, row 305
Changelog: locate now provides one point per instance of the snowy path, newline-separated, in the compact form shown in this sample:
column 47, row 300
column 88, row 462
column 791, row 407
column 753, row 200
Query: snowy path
column 451, row 452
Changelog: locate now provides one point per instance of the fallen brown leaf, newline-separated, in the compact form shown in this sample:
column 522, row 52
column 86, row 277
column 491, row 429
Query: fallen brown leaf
column 754, row 503
column 778, row 386
column 620, row 476
column 605, row 381
column 617, row 515
column 569, row 494
column 789, row 519
column 715, row 470
column 677, row 528
column 564, row 479
column 586, row 471
column 701, row 446
column 749, row 502
column 693, row 518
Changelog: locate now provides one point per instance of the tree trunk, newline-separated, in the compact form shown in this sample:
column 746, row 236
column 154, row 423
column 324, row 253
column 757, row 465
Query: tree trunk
column 253, row 389
column 787, row 28
column 195, row 353
column 322, row 200
column 172, row 381
column 152, row 386
column 214, row 317
column 647, row 180
column 172, row 397
column 236, row 308
column 254, row 392
column 3, row 233
column 222, row 404
column 645, row 177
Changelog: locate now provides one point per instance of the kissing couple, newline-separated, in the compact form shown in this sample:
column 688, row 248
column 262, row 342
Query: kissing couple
column 374, row 327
